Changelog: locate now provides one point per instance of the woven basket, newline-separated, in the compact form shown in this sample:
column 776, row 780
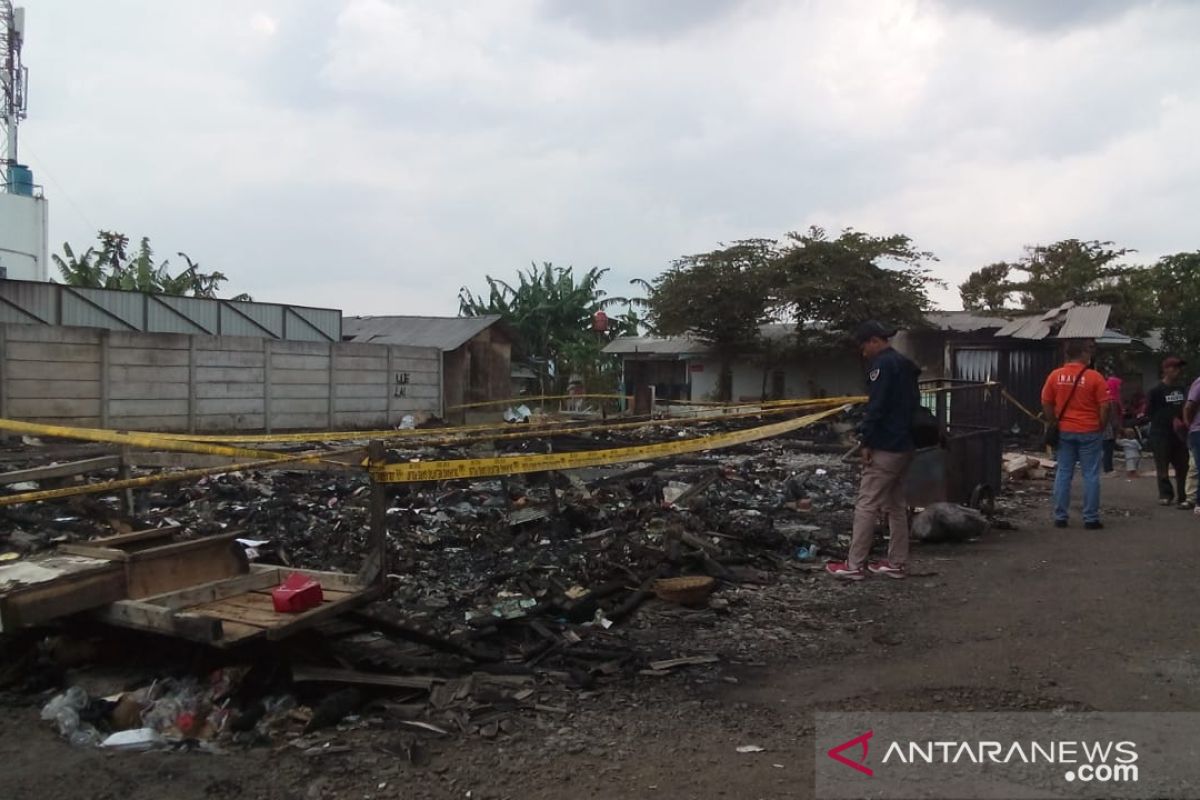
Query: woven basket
column 691, row 590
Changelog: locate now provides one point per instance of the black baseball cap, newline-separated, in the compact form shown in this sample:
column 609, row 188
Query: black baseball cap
column 1173, row 361
column 872, row 328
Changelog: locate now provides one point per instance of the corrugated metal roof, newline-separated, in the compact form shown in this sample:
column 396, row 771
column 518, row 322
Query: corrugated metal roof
column 1085, row 322
column 1026, row 328
column 1112, row 337
column 56, row 304
column 1054, row 312
column 687, row 345
column 1012, row 326
column 656, row 346
column 445, row 333
column 964, row 321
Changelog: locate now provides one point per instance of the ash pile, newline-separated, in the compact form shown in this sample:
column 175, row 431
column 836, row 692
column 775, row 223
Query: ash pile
column 507, row 597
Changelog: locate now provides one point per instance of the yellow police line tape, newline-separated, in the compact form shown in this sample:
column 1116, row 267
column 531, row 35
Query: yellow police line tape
column 645, row 423
column 159, row 477
column 516, row 401
column 515, row 465
column 444, row 470
column 348, row 436
column 1018, row 404
column 508, row 430
column 137, row 439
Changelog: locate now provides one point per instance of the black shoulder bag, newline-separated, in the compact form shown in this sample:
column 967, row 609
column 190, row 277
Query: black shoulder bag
column 1051, row 439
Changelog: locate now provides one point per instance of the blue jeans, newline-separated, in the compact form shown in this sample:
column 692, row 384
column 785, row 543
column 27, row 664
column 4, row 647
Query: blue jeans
column 1084, row 449
column 1194, row 444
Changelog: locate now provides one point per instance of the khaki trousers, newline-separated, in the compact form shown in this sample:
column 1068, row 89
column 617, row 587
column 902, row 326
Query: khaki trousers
column 881, row 490
column 1192, row 478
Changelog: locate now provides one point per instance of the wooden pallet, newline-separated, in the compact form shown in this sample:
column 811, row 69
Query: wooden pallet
column 204, row 589
column 234, row 610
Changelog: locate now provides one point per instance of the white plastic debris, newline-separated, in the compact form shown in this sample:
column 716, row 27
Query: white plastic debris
column 408, row 422
column 673, row 490
column 751, row 748
column 135, row 739
column 519, row 414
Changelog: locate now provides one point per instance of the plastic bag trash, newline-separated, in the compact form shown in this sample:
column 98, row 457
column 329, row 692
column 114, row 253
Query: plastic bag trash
column 134, row 739
column 407, row 422
column 806, row 552
column 751, row 748
column 673, row 490
column 519, row 414
column 63, row 710
column 251, row 547
column 948, row 522
column 513, row 607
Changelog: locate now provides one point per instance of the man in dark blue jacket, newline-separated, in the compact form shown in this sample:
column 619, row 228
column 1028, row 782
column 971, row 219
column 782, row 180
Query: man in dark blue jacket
column 887, row 450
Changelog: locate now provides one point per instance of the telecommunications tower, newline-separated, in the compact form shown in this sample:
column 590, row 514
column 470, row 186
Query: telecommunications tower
column 23, row 208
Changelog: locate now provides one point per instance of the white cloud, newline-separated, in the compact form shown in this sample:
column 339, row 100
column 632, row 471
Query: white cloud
column 263, row 24
column 376, row 155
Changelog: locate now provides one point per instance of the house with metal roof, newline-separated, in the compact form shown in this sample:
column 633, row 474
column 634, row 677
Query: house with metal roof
column 1018, row 351
column 685, row 368
column 476, row 353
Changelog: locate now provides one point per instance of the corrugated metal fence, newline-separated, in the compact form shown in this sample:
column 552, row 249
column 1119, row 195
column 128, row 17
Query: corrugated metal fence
column 36, row 303
column 1022, row 370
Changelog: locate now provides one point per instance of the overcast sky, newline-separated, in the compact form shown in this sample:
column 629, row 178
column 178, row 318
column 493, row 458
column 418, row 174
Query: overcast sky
column 376, row 155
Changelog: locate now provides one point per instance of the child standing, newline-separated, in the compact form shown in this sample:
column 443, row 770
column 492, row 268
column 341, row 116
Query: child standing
column 1131, row 447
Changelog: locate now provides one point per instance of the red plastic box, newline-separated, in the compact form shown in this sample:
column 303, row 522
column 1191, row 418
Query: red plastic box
column 297, row 593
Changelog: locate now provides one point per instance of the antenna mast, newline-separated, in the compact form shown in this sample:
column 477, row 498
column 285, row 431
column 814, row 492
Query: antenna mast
column 13, row 79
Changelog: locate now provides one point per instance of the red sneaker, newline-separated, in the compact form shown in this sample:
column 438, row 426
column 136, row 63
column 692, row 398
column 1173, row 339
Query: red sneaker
column 841, row 570
column 887, row 569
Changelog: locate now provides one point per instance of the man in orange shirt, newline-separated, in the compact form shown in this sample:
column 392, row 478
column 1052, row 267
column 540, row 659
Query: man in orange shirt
column 1075, row 397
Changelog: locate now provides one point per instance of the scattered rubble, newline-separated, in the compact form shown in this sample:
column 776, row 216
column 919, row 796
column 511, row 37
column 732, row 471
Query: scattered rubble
column 509, row 599
column 1021, row 466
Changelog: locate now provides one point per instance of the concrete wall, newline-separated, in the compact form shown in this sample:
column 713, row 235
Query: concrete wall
column 172, row 382
column 23, row 242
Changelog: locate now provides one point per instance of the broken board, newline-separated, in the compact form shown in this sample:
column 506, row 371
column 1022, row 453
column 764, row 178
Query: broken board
column 154, row 565
column 39, row 590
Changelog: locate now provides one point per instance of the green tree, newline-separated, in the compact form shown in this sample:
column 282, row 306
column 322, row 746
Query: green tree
column 987, row 288
column 830, row 285
column 1069, row 270
column 112, row 266
column 551, row 311
column 721, row 297
column 1176, row 281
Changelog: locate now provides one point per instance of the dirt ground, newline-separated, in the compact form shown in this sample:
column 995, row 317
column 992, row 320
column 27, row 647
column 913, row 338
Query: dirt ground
column 1032, row 618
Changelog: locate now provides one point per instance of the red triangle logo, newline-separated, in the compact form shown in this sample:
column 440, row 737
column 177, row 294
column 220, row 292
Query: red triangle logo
column 858, row 741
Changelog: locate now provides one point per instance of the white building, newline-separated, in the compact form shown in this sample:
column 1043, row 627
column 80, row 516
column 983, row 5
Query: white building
column 24, row 242
column 682, row 368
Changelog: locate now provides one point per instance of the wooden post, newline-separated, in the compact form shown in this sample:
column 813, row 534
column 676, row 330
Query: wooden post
column 123, row 473
column 555, row 511
column 378, row 535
